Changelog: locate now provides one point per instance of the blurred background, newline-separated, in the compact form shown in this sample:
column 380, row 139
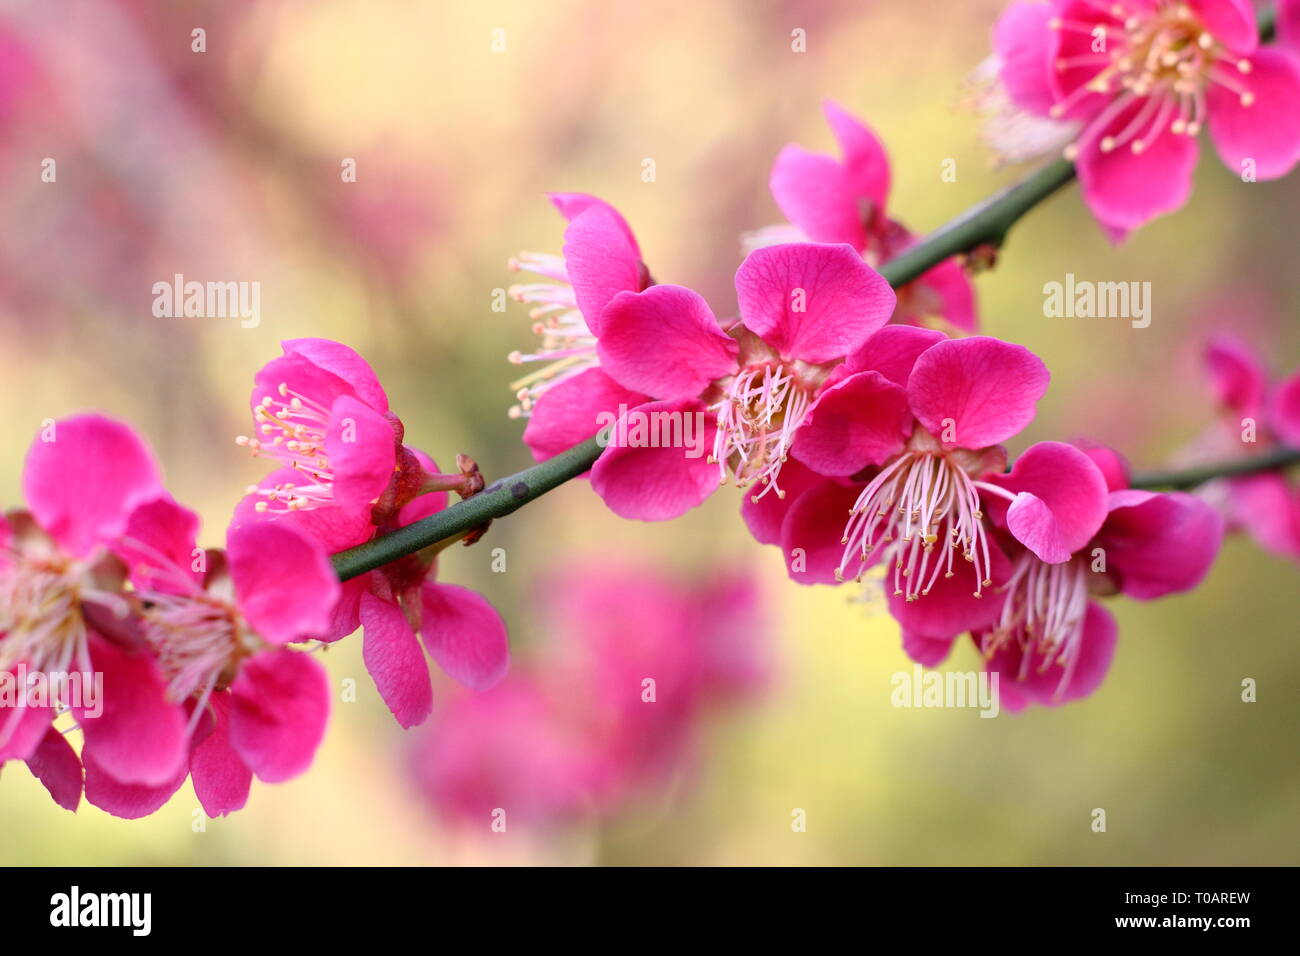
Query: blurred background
column 225, row 165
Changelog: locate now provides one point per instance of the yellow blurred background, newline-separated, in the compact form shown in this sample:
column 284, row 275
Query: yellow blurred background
column 226, row 164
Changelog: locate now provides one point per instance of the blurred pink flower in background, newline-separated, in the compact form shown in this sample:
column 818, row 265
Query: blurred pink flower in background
column 611, row 709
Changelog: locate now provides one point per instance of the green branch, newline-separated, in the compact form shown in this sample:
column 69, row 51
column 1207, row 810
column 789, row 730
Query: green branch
column 1194, row 477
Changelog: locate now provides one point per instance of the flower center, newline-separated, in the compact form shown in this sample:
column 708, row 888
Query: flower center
column 567, row 345
column 292, row 429
column 41, row 623
column 1043, row 616
column 196, row 639
column 920, row 499
column 759, row 411
column 1164, row 56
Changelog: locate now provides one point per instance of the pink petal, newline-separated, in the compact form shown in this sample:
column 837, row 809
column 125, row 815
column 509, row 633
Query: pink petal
column 1124, row 189
column 129, row 801
column 82, row 486
column 572, row 205
column 21, row 727
column 1237, row 375
column 574, row 410
column 1060, row 503
column 1284, row 411
column 464, row 634
column 280, row 703
column 893, row 351
column 1159, row 543
column 817, row 194
column 335, row 529
column 221, row 779
column 602, row 261
column 158, row 547
column 1269, row 510
column 765, row 516
column 1022, row 40
column 362, row 451
column 140, row 735
column 285, row 585
column 985, row 388
column 657, row 482
column 926, row 651
column 1231, row 22
column 295, row 374
column 1114, row 466
column 864, row 159
column 812, row 301
column 395, row 661
column 945, row 291
column 860, row 421
column 1268, row 130
column 346, row 364
column 664, row 342
column 1288, row 24
column 813, row 532
column 56, row 765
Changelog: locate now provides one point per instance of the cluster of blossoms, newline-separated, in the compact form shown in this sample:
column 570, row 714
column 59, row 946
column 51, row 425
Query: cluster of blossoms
column 867, row 426
column 177, row 662
column 608, row 711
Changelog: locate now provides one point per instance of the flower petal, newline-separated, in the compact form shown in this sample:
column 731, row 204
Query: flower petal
column 951, row 607
column 926, row 651
column 817, row 194
column 395, row 661
column 56, row 765
column 602, row 260
column 639, row 476
column 1267, row 131
column 1022, row 39
column 129, row 801
column 864, row 159
column 1284, row 410
column 344, row 363
column 221, row 779
column 280, row 703
column 893, row 351
column 860, row 421
column 765, row 516
column 158, row 546
column 572, row 205
column 83, row 482
column 285, row 585
column 812, row 536
column 1060, row 502
column 1231, row 22
column 1096, row 650
column 138, row 736
column 22, row 726
column 981, row 387
column 1159, row 543
column 464, row 634
column 362, row 450
column 1269, row 510
column 574, row 410
column 664, row 342
column 812, row 301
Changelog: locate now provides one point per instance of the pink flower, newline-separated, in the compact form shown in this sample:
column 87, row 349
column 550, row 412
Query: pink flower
column 613, row 706
column 803, row 308
column 1254, row 410
column 1080, row 532
column 844, row 200
column 601, row 259
column 1141, row 78
column 899, row 452
column 460, row 630
column 60, row 601
column 319, row 410
column 218, row 625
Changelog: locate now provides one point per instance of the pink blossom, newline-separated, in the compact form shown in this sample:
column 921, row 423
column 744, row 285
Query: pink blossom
column 804, row 307
column 611, row 708
column 60, row 601
column 898, row 454
column 1266, row 414
column 1141, row 78
column 601, row 259
column 844, row 200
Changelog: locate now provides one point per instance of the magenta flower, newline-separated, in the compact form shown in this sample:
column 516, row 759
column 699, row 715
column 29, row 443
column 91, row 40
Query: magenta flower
column 1141, row 78
column 1265, row 504
column 601, row 259
column 61, row 611
column 218, row 625
column 803, row 308
column 460, row 629
column 844, row 200
column 320, row 411
column 612, row 709
column 900, row 450
column 1080, row 532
